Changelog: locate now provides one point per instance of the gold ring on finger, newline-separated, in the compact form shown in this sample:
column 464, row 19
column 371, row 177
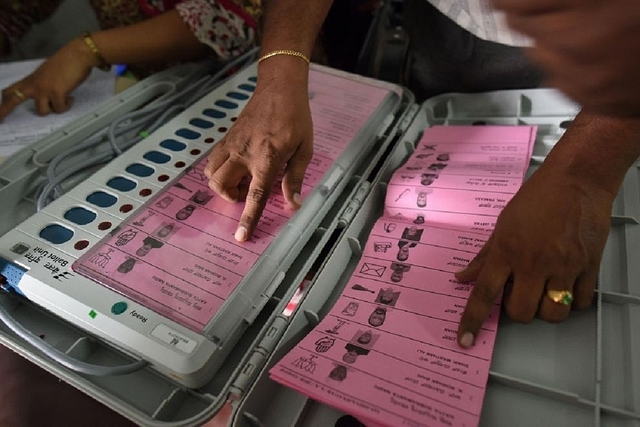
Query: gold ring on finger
column 19, row 94
column 560, row 297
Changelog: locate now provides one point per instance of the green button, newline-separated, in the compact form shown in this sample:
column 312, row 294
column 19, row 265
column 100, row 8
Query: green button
column 119, row 307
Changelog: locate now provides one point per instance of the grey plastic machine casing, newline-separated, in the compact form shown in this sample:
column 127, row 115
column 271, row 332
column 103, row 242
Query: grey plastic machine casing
column 583, row 372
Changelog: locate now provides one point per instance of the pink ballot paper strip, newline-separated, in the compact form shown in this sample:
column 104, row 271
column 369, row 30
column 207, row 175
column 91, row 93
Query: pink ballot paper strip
column 387, row 350
column 178, row 255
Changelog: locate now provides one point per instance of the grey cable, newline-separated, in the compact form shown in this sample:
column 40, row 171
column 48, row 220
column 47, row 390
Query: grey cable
column 200, row 87
column 63, row 358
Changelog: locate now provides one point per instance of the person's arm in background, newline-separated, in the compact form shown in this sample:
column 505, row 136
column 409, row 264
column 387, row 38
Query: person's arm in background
column 194, row 29
column 274, row 129
column 551, row 235
column 589, row 49
column 164, row 37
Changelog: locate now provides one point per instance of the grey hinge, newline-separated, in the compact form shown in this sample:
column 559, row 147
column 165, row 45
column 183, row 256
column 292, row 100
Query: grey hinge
column 260, row 355
column 248, row 374
column 387, row 126
column 349, row 212
column 410, row 138
column 265, row 297
column 409, row 116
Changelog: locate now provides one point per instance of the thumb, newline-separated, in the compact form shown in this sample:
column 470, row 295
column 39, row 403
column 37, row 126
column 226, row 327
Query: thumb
column 294, row 177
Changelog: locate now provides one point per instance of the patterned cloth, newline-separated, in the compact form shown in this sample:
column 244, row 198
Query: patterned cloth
column 227, row 26
column 17, row 16
column 223, row 25
column 477, row 17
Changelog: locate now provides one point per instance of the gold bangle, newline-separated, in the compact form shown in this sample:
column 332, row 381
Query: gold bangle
column 284, row 52
column 102, row 63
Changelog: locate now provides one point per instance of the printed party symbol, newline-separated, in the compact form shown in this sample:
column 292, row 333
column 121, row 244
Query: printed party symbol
column 101, row 259
column 351, row 309
column 336, row 328
column 381, row 246
column 306, row 364
column 126, row 236
column 358, row 287
column 182, row 187
column 324, row 344
column 140, row 222
column 371, row 269
column 195, row 173
column 389, row 227
column 401, row 195
column 164, row 202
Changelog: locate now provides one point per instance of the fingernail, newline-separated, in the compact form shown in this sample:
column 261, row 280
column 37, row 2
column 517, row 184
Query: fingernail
column 241, row 234
column 467, row 340
column 297, row 198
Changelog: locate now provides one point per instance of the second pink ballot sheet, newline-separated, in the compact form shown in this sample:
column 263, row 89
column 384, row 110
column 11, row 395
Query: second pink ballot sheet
column 387, row 351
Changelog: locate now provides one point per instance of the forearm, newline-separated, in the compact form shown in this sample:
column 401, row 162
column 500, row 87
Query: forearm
column 292, row 25
column 164, row 38
column 598, row 150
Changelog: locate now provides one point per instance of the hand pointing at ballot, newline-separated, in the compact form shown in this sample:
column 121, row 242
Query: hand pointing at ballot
column 263, row 141
column 274, row 132
column 548, row 241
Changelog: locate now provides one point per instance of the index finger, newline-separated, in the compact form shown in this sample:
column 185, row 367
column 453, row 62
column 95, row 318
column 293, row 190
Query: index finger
column 257, row 195
column 484, row 294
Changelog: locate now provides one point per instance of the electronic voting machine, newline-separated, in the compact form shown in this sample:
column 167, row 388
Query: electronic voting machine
column 122, row 276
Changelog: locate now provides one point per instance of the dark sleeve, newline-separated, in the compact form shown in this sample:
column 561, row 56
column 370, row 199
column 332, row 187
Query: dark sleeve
column 17, row 17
